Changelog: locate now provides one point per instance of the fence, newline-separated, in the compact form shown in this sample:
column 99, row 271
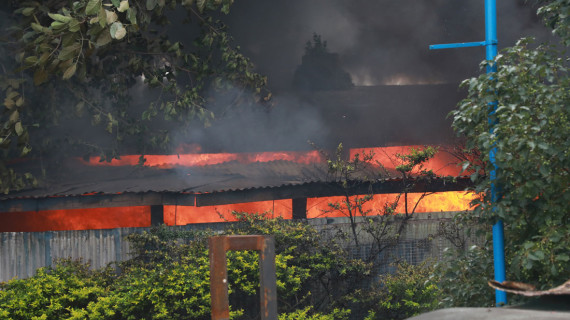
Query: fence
column 21, row 253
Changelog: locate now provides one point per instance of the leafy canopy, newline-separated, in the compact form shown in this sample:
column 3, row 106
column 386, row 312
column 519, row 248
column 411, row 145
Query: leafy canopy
column 69, row 64
column 531, row 124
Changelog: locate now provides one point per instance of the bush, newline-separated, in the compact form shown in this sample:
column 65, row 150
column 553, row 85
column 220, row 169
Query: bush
column 169, row 278
column 311, row 270
column 60, row 292
column 408, row 292
column 307, row 314
column 463, row 277
column 177, row 290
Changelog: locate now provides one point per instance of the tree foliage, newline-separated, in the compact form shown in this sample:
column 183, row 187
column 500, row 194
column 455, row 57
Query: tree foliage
column 320, row 69
column 81, row 62
column 383, row 225
column 530, row 128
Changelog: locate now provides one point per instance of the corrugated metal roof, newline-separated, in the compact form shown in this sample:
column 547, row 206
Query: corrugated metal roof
column 81, row 179
column 230, row 182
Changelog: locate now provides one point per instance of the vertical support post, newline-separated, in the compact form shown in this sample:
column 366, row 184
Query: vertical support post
column 498, row 229
column 299, row 208
column 156, row 215
column 218, row 279
column 218, row 273
column 268, row 279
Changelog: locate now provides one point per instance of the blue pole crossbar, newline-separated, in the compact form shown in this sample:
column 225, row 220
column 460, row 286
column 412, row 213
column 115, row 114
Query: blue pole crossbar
column 457, row 45
column 490, row 44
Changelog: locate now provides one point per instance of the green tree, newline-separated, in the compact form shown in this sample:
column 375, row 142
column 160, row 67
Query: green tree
column 320, row 69
column 69, row 64
column 531, row 127
column 383, row 226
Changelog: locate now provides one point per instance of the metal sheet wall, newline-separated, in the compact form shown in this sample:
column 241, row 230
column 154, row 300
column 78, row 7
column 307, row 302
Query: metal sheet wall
column 21, row 253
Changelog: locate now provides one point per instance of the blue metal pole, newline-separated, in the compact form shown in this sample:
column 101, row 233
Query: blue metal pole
column 498, row 229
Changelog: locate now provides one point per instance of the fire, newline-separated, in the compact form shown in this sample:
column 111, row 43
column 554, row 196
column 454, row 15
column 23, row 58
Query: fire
column 182, row 215
column 204, row 159
column 437, row 202
column 139, row 216
column 75, row 219
column 442, row 163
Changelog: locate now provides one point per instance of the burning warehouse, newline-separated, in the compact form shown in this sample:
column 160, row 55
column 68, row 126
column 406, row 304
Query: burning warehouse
column 255, row 161
column 195, row 186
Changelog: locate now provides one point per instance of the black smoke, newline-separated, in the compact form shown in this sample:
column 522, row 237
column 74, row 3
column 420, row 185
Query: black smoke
column 376, row 40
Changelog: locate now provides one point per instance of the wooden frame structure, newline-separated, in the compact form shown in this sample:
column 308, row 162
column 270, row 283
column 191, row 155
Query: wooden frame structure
column 218, row 246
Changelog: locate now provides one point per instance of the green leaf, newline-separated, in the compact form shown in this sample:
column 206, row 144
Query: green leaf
column 103, row 39
column 14, row 116
column 74, row 25
column 124, row 6
column 28, row 11
column 536, row 255
column 117, row 30
column 59, row 17
column 93, row 7
column 132, row 15
column 116, row 3
column 18, row 128
column 37, row 27
column 201, row 4
column 70, row 71
column 40, row 76
column 110, row 16
column 31, row 60
column 69, row 52
column 79, row 108
column 102, row 17
column 151, row 4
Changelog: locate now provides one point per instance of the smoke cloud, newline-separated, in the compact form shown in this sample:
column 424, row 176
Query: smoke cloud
column 382, row 42
column 377, row 40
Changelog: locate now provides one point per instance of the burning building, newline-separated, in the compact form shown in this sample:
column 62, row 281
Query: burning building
column 194, row 186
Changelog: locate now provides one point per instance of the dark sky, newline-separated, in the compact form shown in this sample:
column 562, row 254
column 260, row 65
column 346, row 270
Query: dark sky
column 379, row 41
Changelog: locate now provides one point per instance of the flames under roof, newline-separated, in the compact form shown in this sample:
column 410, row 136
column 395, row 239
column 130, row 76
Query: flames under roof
column 231, row 182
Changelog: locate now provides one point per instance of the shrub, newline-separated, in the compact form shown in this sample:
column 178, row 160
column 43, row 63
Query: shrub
column 59, row 292
column 311, row 270
column 307, row 314
column 408, row 292
column 463, row 278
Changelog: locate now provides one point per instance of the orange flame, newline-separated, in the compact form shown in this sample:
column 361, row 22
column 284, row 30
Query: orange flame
column 442, row 163
column 75, row 219
column 437, row 202
column 122, row 217
column 139, row 216
column 203, row 159
column 182, row 215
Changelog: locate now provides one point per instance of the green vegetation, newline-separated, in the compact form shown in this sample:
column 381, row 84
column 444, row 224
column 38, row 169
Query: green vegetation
column 408, row 292
column 168, row 278
column 531, row 128
column 67, row 65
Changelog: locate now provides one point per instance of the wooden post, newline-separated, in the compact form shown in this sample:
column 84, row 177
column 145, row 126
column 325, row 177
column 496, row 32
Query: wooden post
column 219, row 274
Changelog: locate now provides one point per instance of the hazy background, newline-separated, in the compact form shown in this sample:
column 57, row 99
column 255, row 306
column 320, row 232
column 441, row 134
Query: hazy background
column 379, row 41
